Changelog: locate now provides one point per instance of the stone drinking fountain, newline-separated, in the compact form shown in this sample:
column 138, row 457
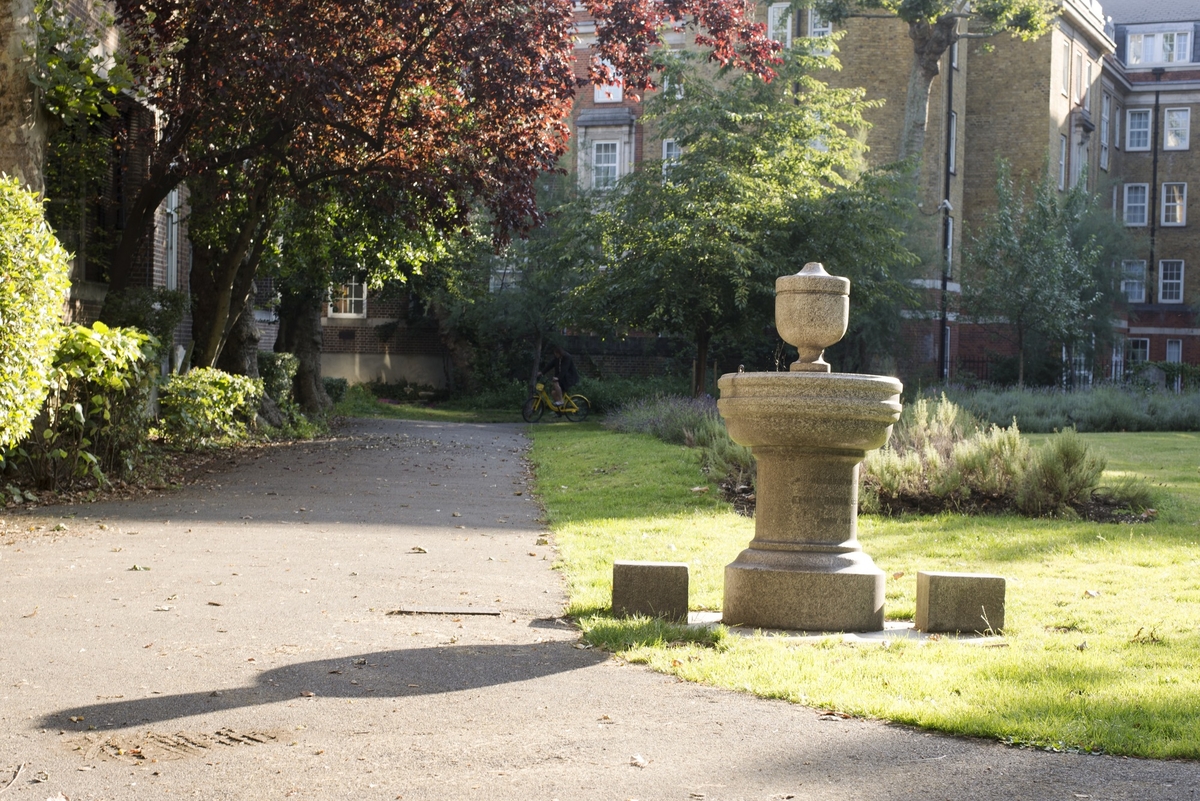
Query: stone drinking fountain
column 809, row 429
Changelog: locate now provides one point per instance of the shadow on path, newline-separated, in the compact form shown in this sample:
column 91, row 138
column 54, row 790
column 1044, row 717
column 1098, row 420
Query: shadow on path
column 383, row 674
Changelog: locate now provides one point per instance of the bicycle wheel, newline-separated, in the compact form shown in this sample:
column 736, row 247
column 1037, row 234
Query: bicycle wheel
column 533, row 409
column 582, row 407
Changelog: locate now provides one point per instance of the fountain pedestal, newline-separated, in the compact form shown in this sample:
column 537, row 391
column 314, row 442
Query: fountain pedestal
column 809, row 430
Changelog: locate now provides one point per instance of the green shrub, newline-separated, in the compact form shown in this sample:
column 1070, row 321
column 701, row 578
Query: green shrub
column 155, row 310
column 335, row 388
column 1063, row 472
column 1102, row 408
column 33, row 287
column 95, row 418
column 205, row 405
column 278, row 374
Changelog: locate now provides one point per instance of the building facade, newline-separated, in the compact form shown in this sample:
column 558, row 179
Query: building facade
column 1104, row 99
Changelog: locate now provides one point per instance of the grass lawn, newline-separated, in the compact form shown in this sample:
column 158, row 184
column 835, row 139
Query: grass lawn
column 1102, row 637
column 360, row 403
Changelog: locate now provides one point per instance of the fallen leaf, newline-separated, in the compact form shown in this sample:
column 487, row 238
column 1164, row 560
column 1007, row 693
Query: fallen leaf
column 1092, row 593
column 33, row 613
column 1083, row 646
column 213, row 603
column 307, row 694
column 542, row 541
column 418, row 549
column 162, row 609
column 455, row 514
column 77, row 718
column 139, row 567
column 898, row 575
column 638, row 761
column 699, row 490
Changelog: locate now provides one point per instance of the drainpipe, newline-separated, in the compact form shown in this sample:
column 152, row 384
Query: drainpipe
column 1158, row 73
column 947, row 244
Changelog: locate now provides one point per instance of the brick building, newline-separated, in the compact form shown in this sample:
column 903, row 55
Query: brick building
column 1104, row 98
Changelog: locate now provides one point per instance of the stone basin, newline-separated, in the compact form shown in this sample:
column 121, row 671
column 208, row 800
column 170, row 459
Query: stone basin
column 843, row 411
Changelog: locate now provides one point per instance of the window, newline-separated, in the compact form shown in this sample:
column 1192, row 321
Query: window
column 1136, row 351
column 1066, row 68
column 1175, row 47
column 1177, row 130
column 1105, row 117
column 1117, row 127
column 1078, row 95
column 604, row 165
column 1135, row 203
column 671, row 151
column 1174, row 351
column 171, row 256
column 949, row 245
column 779, row 23
column 1085, row 93
column 1137, row 131
column 1170, row 281
column 1174, row 204
column 952, row 158
column 608, row 92
column 1118, row 359
column 1172, row 47
column 1135, row 48
column 1133, row 281
column 818, row 29
column 348, row 300
column 1062, row 162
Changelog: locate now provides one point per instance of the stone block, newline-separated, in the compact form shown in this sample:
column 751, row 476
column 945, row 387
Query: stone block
column 656, row 589
column 966, row 602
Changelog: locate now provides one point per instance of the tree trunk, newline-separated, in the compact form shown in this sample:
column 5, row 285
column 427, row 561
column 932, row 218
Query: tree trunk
column 221, row 280
column 930, row 43
column 240, row 356
column 537, row 362
column 700, row 380
column 300, row 335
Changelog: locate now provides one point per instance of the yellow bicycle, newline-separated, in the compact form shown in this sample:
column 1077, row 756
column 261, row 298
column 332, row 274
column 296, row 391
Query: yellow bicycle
column 574, row 407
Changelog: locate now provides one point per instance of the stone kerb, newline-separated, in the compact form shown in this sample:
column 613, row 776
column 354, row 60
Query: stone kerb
column 959, row 602
column 655, row 589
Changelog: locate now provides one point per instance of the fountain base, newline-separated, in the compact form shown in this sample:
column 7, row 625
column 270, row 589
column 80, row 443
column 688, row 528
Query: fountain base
column 806, row 590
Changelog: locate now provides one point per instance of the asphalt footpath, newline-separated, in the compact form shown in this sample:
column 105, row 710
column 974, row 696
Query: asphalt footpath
column 376, row 616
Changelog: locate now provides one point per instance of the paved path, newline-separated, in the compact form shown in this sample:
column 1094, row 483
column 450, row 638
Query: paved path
column 255, row 657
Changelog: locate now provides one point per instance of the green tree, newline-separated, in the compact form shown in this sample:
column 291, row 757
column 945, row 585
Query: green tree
column 34, row 273
column 507, row 304
column 934, row 26
column 767, row 180
column 1043, row 267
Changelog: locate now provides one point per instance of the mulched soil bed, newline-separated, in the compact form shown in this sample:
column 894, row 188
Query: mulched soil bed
column 1095, row 509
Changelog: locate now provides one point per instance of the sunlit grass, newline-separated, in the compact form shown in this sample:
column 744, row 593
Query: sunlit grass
column 1102, row 635
column 358, row 402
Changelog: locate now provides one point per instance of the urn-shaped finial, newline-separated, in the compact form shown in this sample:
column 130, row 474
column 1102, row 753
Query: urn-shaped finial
column 812, row 309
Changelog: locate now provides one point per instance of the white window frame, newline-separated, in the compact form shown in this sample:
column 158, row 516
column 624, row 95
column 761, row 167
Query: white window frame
column 344, row 297
column 779, row 21
column 1142, row 345
column 171, row 245
column 954, row 54
column 1179, row 54
column 1177, row 346
column 1135, row 49
column 1066, row 69
column 818, row 28
column 1145, row 205
column 1140, row 113
column 1078, row 85
column 1178, row 209
column 1105, row 120
column 671, row 151
column 949, row 254
column 616, row 164
column 1062, row 162
column 1182, row 117
column 1117, row 125
column 609, row 92
column 1133, row 280
column 952, row 159
column 1170, row 290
